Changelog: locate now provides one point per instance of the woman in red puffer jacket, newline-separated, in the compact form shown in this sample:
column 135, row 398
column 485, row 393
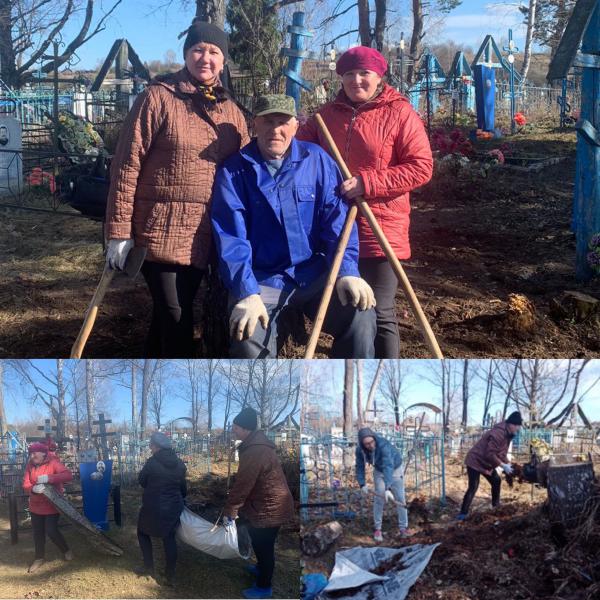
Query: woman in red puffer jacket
column 384, row 144
column 42, row 469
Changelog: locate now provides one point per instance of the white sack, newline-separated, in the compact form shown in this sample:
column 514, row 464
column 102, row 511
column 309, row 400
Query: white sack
column 199, row 533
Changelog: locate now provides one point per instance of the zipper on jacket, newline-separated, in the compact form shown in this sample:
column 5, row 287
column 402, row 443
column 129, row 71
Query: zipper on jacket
column 349, row 134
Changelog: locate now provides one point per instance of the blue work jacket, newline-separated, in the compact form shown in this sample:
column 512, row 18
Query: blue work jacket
column 386, row 458
column 279, row 231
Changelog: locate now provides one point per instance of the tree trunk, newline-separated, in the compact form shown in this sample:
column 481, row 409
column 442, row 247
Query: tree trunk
column 348, row 384
column 8, row 71
column 380, row 20
column 146, row 382
column 212, row 11
column 209, row 404
column 61, row 420
column 316, row 542
column 134, row 417
column 364, row 23
column 359, row 410
column 89, row 396
column 415, row 40
column 529, row 38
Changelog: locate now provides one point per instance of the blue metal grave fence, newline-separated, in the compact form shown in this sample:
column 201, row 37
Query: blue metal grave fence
column 329, row 489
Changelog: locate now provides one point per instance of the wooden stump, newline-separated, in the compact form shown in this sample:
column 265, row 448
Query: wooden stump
column 569, row 488
column 317, row 541
column 576, row 307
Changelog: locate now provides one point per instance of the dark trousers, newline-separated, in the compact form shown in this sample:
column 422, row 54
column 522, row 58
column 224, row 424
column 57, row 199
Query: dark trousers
column 474, row 476
column 170, row 545
column 378, row 273
column 173, row 289
column 46, row 524
column 353, row 330
column 263, row 544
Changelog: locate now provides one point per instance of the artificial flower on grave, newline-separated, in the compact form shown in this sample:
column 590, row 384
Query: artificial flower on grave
column 497, row 157
column 593, row 256
column 520, row 119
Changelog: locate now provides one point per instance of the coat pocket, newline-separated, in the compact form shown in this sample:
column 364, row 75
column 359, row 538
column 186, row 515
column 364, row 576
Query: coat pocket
column 305, row 202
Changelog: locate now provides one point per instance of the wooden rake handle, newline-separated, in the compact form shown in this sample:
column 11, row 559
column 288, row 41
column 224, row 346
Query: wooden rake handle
column 92, row 312
column 331, row 279
column 365, row 209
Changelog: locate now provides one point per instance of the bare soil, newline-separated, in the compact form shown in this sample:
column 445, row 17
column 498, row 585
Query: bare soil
column 93, row 574
column 475, row 242
column 504, row 553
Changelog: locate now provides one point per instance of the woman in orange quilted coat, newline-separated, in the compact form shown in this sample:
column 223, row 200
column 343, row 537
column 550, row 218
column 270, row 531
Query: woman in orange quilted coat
column 385, row 146
column 42, row 469
column 177, row 133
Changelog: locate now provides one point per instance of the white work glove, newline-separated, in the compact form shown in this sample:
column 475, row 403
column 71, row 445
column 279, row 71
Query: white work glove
column 356, row 290
column 365, row 490
column 116, row 253
column 389, row 496
column 507, row 468
column 38, row 488
column 227, row 523
column 245, row 315
column 42, row 479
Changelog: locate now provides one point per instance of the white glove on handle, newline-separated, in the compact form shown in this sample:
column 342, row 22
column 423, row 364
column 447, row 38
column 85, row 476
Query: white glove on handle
column 42, row 479
column 365, row 489
column 116, row 253
column 507, row 468
column 245, row 315
column 357, row 290
column 38, row 488
column 389, row 496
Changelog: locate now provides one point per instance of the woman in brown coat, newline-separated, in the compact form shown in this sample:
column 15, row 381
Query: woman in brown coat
column 261, row 495
column 177, row 133
column 489, row 453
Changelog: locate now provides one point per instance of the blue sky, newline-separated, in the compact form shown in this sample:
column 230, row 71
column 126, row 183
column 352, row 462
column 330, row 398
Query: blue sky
column 152, row 32
column 113, row 395
column 322, row 384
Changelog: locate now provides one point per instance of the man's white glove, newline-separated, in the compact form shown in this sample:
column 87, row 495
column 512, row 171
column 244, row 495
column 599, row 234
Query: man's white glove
column 245, row 315
column 365, row 490
column 389, row 496
column 38, row 488
column 356, row 290
column 116, row 253
column 227, row 523
column 507, row 468
column 42, row 479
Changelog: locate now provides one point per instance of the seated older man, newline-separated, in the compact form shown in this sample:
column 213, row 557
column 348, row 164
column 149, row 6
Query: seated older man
column 277, row 215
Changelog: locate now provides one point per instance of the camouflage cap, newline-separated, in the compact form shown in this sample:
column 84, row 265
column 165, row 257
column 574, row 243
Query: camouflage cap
column 275, row 103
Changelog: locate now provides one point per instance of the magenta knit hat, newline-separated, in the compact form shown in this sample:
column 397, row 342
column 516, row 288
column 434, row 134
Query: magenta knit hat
column 361, row 57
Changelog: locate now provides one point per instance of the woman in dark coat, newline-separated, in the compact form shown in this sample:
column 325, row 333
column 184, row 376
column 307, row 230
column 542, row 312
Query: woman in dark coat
column 163, row 480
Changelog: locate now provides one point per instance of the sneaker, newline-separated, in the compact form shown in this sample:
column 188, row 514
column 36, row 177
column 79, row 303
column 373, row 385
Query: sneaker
column 256, row 592
column 68, row 555
column 377, row 536
column 461, row 517
column 35, row 565
column 405, row 532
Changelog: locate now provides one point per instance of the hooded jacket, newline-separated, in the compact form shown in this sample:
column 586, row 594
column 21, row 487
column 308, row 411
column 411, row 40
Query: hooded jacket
column 163, row 480
column 385, row 458
column 491, row 450
column 260, row 493
column 57, row 475
column 162, row 172
column 385, row 142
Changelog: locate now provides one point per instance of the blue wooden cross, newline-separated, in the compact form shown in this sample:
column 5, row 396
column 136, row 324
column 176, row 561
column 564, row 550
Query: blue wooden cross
column 511, row 49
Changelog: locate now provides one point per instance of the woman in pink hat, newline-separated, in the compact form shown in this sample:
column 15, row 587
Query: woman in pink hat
column 384, row 144
column 44, row 468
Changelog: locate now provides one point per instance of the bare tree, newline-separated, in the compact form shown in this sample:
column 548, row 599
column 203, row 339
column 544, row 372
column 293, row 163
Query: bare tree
column 3, row 423
column 393, row 383
column 373, row 390
column 359, row 404
column 148, row 372
column 29, row 27
column 530, row 20
column 90, row 395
